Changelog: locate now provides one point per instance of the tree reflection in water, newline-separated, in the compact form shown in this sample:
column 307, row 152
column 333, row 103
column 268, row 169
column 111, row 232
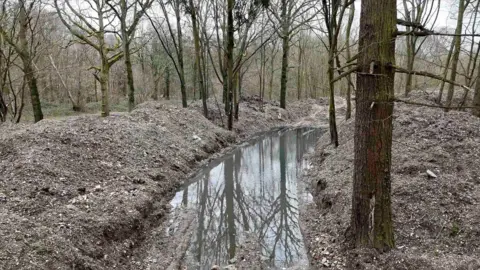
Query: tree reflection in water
column 253, row 189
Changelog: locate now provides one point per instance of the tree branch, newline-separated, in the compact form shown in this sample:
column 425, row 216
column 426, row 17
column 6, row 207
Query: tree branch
column 430, row 75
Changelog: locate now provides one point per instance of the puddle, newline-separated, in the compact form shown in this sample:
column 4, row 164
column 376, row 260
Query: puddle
column 252, row 190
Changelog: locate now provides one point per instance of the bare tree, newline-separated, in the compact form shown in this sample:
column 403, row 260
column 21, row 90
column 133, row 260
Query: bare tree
column 417, row 12
column 333, row 12
column 289, row 16
column 124, row 9
column 351, row 16
column 93, row 30
column 462, row 4
column 25, row 47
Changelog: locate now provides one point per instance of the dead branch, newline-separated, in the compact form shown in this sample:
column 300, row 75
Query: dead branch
column 430, row 75
column 432, row 105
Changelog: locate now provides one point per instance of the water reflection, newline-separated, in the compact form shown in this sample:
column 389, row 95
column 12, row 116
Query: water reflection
column 253, row 189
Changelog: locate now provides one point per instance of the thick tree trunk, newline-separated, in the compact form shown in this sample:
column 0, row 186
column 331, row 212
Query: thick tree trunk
column 331, row 109
column 284, row 76
column 371, row 220
column 104, row 89
column 27, row 63
column 128, row 66
column 456, row 53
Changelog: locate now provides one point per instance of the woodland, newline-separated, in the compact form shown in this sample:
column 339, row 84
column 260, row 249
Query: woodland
column 107, row 75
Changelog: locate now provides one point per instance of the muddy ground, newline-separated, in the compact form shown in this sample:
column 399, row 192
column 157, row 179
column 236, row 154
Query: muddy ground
column 87, row 192
column 437, row 220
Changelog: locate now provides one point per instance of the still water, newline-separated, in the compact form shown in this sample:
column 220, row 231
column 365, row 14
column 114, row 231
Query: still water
column 251, row 191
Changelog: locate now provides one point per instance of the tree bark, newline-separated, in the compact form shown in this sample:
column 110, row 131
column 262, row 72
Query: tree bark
column 104, row 88
column 198, row 58
column 284, row 76
column 27, row 63
column 476, row 98
column 130, row 83
column 348, row 113
column 183, row 90
column 166, row 91
column 285, row 50
column 371, row 220
column 229, row 62
column 456, row 53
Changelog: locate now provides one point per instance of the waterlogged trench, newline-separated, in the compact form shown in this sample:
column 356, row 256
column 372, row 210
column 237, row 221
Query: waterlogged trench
column 250, row 191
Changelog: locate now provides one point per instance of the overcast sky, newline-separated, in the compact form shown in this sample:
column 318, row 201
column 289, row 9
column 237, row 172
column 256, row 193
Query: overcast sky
column 446, row 17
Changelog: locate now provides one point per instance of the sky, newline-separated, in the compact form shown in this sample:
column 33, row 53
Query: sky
column 446, row 16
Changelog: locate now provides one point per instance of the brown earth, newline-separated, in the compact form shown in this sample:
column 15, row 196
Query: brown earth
column 86, row 192
column 437, row 220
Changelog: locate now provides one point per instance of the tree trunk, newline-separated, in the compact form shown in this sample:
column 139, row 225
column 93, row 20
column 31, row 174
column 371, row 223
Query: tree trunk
column 104, row 89
column 195, row 73
column 272, row 73
column 410, row 49
column 371, row 220
column 166, row 91
column 285, row 49
column 299, row 71
column 476, row 98
column 348, row 113
column 445, row 72
column 229, row 60
column 331, row 109
column 456, row 53
column 410, row 60
column 130, row 83
column 199, row 58
column 27, row 63
column 284, row 76
column 183, row 90
column 95, row 87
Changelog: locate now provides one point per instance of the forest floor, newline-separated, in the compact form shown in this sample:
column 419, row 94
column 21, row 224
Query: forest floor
column 436, row 219
column 86, row 192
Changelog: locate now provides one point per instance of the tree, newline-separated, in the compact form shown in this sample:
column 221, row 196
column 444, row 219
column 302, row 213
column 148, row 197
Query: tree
column 25, row 48
column 172, row 39
column 289, row 15
column 456, row 53
column 122, row 9
column 333, row 12
column 417, row 12
column 198, row 70
column 371, row 220
column 351, row 16
column 92, row 30
column 234, row 42
column 476, row 98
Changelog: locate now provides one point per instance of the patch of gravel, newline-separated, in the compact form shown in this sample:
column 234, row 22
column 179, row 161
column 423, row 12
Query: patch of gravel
column 437, row 220
column 86, row 192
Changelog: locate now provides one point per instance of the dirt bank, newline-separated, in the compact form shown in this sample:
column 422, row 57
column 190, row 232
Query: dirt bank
column 85, row 192
column 437, row 220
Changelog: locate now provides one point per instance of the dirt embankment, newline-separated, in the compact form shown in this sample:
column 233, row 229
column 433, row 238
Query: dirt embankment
column 84, row 192
column 437, row 220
